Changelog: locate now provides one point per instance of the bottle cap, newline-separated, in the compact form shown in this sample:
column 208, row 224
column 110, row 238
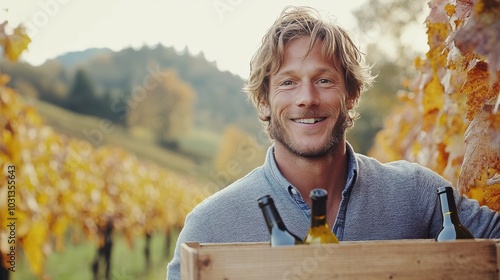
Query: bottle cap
column 265, row 200
column 441, row 190
column 318, row 193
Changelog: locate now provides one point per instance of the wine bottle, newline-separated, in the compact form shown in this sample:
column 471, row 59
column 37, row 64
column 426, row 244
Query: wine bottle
column 452, row 228
column 319, row 232
column 280, row 235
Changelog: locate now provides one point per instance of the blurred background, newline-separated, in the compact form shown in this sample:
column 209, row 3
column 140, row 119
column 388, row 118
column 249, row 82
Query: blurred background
column 120, row 116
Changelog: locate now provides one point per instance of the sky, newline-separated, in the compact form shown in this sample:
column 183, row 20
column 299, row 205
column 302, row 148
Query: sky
column 226, row 31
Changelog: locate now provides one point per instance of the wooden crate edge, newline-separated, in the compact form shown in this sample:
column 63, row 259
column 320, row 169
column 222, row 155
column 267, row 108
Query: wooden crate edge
column 197, row 256
column 189, row 260
column 497, row 246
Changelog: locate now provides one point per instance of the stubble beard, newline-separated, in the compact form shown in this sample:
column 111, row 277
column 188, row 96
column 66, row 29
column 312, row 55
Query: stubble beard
column 279, row 134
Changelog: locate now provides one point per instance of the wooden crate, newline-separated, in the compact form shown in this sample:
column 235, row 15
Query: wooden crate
column 401, row 259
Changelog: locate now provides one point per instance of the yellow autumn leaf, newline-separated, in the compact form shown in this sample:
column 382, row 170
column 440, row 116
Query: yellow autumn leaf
column 478, row 88
column 433, row 95
column 432, row 101
column 492, row 191
column 480, row 155
column 59, row 229
column 450, row 9
column 437, row 33
column 4, row 79
column 14, row 44
column 33, row 244
column 476, row 192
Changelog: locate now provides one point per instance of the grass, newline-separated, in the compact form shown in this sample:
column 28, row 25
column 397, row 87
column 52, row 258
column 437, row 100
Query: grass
column 201, row 143
column 74, row 263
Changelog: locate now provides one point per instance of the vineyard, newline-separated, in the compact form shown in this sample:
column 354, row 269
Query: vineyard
column 59, row 182
column 448, row 119
column 51, row 183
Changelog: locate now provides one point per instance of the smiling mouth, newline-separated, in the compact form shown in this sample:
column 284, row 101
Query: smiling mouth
column 308, row 121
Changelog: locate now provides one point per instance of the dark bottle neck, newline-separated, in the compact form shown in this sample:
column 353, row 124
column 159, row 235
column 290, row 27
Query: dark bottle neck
column 448, row 206
column 271, row 215
column 318, row 211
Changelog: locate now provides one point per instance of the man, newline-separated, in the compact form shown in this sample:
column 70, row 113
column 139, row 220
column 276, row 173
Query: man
column 306, row 79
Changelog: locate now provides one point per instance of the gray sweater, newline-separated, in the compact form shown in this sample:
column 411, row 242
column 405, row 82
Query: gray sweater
column 396, row 200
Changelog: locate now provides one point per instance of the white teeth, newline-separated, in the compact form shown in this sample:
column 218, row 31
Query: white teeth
column 307, row 120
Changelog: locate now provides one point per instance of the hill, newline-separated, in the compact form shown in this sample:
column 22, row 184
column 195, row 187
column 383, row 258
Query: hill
column 120, row 75
column 99, row 132
column 219, row 97
column 73, row 59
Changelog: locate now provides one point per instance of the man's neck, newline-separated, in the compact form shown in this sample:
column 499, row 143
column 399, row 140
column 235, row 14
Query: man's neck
column 328, row 172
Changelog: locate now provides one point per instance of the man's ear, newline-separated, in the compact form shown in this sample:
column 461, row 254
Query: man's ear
column 264, row 111
column 350, row 103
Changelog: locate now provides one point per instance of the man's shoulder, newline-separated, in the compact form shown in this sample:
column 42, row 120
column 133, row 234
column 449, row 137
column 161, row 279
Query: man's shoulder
column 397, row 165
column 397, row 170
column 218, row 217
column 245, row 186
column 241, row 192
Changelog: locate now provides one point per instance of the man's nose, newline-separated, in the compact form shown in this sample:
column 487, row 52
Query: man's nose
column 307, row 95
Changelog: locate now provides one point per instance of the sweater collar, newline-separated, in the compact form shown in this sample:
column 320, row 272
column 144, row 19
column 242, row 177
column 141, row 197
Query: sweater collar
column 273, row 173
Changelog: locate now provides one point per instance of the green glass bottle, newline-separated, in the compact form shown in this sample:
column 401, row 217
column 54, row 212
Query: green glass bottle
column 280, row 235
column 452, row 228
column 319, row 232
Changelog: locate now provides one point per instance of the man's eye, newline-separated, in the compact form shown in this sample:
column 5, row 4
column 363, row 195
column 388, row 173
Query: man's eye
column 324, row 81
column 287, row 83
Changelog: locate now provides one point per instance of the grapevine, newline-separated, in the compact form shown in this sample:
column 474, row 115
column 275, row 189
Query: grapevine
column 449, row 117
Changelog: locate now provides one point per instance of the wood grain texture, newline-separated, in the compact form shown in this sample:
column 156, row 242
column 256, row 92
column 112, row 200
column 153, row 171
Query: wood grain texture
column 401, row 259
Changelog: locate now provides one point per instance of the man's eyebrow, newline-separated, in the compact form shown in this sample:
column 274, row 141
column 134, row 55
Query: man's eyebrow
column 322, row 70
column 317, row 71
column 284, row 73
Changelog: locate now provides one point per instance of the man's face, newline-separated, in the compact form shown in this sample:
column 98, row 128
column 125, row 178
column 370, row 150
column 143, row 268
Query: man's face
column 307, row 102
